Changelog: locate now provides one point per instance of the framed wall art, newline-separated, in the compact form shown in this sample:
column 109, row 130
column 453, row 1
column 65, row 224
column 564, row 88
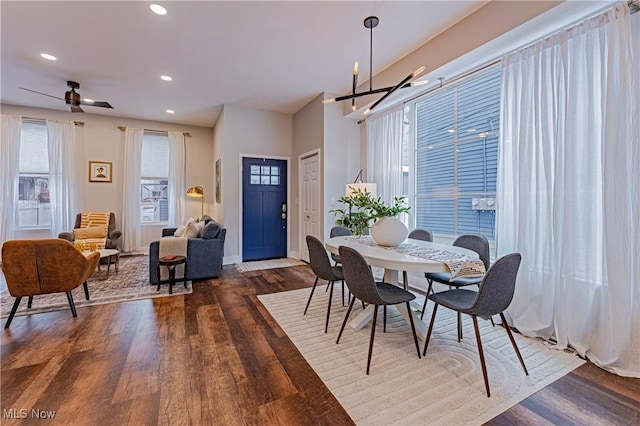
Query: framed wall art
column 100, row 171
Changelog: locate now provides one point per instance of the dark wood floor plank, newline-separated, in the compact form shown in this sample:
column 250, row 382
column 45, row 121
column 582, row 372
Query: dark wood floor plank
column 215, row 357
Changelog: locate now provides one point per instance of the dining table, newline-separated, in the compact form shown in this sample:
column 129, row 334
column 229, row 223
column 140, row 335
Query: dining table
column 394, row 261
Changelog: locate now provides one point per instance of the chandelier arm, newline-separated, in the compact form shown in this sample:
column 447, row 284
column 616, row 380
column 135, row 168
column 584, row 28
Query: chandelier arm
column 393, row 89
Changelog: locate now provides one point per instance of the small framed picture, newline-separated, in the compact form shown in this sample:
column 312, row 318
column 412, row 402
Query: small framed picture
column 99, row 171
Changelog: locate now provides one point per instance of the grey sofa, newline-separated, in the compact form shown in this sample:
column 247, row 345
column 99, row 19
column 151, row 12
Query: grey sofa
column 204, row 256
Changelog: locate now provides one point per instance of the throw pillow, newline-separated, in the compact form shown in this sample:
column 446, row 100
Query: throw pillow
column 92, row 232
column 193, row 229
column 210, row 230
column 179, row 231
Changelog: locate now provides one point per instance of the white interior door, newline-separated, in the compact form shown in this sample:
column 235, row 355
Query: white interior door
column 310, row 201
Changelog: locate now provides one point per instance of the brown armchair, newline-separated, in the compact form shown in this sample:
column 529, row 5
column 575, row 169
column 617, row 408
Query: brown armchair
column 112, row 233
column 34, row 267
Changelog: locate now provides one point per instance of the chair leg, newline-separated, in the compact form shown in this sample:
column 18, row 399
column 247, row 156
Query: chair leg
column 426, row 297
column 373, row 333
column 310, row 296
column 342, row 292
column 459, row 326
column 13, row 311
column 426, row 340
column 86, row 290
column 346, row 319
column 481, row 353
column 413, row 329
column 405, row 280
column 71, row 304
column 384, row 319
column 326, row 323
column 513, row 342
column 29, row 302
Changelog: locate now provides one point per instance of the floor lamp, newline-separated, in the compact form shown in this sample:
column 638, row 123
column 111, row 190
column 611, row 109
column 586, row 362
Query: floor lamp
column 197, row 191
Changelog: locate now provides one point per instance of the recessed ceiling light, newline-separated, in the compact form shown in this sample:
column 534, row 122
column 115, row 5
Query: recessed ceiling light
column 170, row 111
column 166, row 78
column 88, row 100
column 157, row 9
column 48, row 57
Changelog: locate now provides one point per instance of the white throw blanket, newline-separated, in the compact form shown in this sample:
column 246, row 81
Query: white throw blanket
column 172, row 245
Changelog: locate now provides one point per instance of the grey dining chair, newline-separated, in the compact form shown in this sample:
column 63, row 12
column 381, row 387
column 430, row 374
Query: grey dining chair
column 364, row 287
column 321, row 266
column 492, row 298
column 416, row 234
column 339, row 231
column 477, row 243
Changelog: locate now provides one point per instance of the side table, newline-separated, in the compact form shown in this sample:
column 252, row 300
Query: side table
column 171, row 262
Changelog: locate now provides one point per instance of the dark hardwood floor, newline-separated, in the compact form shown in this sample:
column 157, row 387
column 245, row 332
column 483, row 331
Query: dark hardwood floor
column 217, row 357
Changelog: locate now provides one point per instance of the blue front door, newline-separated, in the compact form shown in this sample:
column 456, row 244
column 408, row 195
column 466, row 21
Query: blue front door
column 264, row 209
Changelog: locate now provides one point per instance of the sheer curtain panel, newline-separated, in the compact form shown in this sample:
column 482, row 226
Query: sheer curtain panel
column 384, row 152
column 131, row 232
column 66, row 161
column 9, row 171
column 569, row 189
column 177, row 187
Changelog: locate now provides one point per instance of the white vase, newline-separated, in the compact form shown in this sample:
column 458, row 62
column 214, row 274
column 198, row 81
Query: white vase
column 389, row 231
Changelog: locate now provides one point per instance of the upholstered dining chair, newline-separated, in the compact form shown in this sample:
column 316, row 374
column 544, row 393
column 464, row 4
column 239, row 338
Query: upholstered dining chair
column 364, row 287
column 477, row 243
column 338, row 231
column 492, row 298
column 35, row 267
column 321, row 266
column 416, row 234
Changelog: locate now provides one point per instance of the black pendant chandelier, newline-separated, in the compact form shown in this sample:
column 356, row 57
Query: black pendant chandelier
column 371, row 22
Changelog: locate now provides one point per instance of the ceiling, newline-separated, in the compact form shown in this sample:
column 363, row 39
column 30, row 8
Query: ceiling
column 268, row 55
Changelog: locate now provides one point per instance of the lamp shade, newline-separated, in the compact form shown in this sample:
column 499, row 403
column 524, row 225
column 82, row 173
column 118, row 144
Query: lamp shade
column 371, row 188
column 195, row 191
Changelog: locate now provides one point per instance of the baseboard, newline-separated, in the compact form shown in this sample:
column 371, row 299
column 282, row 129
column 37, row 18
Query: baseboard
column 230, row 260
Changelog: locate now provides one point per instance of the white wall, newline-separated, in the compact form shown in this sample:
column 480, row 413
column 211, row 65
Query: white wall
column 341, row 162
column 250, row 132
column 308, row 135
column 103, row 141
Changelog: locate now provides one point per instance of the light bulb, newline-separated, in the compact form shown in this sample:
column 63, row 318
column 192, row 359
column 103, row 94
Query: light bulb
column 355, row 68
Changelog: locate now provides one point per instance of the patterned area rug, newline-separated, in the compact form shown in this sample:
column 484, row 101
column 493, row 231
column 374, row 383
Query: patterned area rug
column 131, row 282
column 267, row 264
column 443, row 388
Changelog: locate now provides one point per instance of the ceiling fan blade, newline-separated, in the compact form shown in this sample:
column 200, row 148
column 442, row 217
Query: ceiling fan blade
column 40, row 93
column 100, row 104
column 76, row 109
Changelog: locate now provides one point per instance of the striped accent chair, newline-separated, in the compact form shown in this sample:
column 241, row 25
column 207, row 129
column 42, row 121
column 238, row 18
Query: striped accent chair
column 88, row 223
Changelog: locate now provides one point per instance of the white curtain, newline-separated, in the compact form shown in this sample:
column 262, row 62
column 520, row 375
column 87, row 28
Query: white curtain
column 66, row 162
column 9, row 172
column 131, row 231
column 569, row 190
column 177, row 189
column 384, row 152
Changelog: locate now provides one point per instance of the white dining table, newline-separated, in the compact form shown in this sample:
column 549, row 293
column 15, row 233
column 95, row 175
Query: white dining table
column 392, row 262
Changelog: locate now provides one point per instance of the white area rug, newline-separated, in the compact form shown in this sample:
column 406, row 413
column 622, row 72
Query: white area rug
column 267, row 264
column 443, row 388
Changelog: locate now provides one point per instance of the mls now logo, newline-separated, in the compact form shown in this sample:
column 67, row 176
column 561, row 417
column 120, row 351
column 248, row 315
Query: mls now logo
column 23, row 413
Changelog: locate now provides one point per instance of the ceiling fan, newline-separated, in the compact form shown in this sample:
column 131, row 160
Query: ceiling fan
column 73, row 99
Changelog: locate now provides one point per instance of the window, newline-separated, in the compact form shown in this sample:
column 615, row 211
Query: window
column 264, row 175
column 154, row 181
column 33, row 204
column 456, row 157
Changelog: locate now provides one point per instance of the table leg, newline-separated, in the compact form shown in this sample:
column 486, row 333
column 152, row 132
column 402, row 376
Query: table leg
column 108, row 266
column 172, row 277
